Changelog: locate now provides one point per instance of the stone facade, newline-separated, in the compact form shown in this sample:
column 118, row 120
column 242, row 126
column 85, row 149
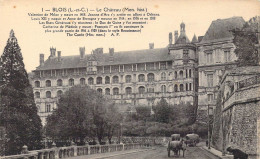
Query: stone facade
column 140, row 77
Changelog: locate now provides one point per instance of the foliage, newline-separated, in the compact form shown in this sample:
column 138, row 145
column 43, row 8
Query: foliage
column 83, row 112
column 245, row 40
column 18, row 110
column 163, row 111
column 143, row 112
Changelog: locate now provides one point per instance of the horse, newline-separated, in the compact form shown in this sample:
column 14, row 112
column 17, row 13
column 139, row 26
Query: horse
column 176, row 146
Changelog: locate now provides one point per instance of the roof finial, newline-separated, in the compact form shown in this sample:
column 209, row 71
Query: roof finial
column 11, row 33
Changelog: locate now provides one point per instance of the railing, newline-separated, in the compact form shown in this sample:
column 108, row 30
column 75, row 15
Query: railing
column 249, row 82
column 65, row 152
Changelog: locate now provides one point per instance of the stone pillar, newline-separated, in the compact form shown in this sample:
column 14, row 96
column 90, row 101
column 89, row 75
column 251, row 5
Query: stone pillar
column 135, row 67
column 123, row 68
column 132, row 67
column 110, row 68
column 51, row 73
column 145, row 66
column 103, row 69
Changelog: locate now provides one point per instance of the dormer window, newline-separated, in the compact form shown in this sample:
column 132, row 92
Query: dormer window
column 90, row 63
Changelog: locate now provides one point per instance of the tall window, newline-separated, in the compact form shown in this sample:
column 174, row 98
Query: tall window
column 128, row 90
column 107, row 91
column 141, row 90
column 175, row 88
column 210, row 97
column 181, row 74
column 175, row 75
column 48, row 83
column 37, row 84
column 141, row 78
column 71, row 82
column 59, row 82
column 185, row 56
column 227, row 55
column 48, row 94
column 99, row 90
column 99, row 80
column 37, row 95
column 115, row 79
column 47, row 108
column 181, row 88
column 82, row 81
column 150, row 77
column 190, row 87
column 90, row 81
column 163, row 89
column 163, row 76
column 59, row 93
column 107, row 80
column 189, row 72
column 115, row 91
column 209, row 57
column 210, row 80
column 128, row 78
column 187, row 87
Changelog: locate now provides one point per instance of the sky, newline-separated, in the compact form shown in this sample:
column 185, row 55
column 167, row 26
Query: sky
column 196, row 14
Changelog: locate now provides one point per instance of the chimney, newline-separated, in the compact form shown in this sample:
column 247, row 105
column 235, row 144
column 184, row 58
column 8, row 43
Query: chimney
column 111, row 51
column 175, row 36
column 170, row 38
column 59, row 55
column 151, row 45
column 53, row 51
column 82, row 52
column 41, row 59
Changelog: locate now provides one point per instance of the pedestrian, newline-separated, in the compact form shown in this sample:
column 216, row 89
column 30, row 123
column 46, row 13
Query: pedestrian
column 238, row 154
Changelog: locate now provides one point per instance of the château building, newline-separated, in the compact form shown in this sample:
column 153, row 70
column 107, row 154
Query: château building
column 140, row 77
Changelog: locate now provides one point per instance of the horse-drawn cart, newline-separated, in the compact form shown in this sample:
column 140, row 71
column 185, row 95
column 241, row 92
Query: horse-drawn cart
column 176, row 145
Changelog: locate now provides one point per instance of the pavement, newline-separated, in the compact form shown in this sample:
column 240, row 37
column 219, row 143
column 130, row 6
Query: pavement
column 217, row 153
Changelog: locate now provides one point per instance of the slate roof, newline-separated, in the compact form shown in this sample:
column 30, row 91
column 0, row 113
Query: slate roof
column 124, row 57
column 194, row 39
column 219, row 29
column 182, row 39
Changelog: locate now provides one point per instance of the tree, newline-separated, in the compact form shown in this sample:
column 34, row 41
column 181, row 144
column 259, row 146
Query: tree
column 245, row 40
column 143, row 112
column 18, row 110
column 163, row 111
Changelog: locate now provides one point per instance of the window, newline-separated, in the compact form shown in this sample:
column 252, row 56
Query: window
column 150, row 77
column 90, row 63
column 59, row 82
column 210, row 80
column 47, row 108
column 115, row 91
column 163, row 89
column 59, row 93
column 99, row 90
column 181, row 74
column 141, row 90
column 186, row 73
column 185, row 56
column 99, row 80
column 209, row 57
column 141, row 78
column 227, row 56
column 128, row 78
column 48, row 94
column 90, row 69
column 107, row 91
column 37, row 84
column 181, row 88
column 187, row 87
column 37, row 95
column 90, row 81
column 163, row 76
column 128, row 90
column 71, row 82
column 150, row 90
column 162, row 66
column 175, row 75
column 115, row 79
column 48, row 83
column 82, row 81
column 189, row 72
column 175, row 88
column 107, row 80
column 190, row 86
column 210, row 97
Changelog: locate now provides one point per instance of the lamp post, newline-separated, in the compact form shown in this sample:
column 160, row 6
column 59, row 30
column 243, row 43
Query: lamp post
column 208, row 129
column 223, row 135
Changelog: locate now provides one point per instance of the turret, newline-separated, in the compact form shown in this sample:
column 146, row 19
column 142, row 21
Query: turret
column 53, row 51
column 41, row 59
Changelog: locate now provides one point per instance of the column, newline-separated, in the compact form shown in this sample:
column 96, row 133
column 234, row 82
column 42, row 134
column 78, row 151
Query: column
column 154, row 65
column 159, row 65
column 110, row 68
column 135, row 67
column 51, row 72
column 123, row 68
column 62, row 72
column 103, row 69
column 119, row 68
column 166, row 64
column 132, row 67
column 40, row 73
column 145, row 66
column 55, row 73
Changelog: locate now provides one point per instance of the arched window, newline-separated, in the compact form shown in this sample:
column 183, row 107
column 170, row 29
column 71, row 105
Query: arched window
column 99, row 90
column 141, row 90
column 128, row 78
column 115, row 91
column 187, row 87
column 107, row 80
column 128, row 90
column 175, row 75
column 90, row 81
column 175, row 88
column 115, row 79
column 190, row 73
column 141, row 78
column 59, row 93
column 163, row 89
column 59, row 82
column 99, row 80
column 37, row 95
column 71, row 82
column 163, row 76
column 37, row 84
column 48, row 94
column 181, row 87
column 107, row 91
column 150, row 77
column 181, row 74
column 48, row 83
column 82, row 81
